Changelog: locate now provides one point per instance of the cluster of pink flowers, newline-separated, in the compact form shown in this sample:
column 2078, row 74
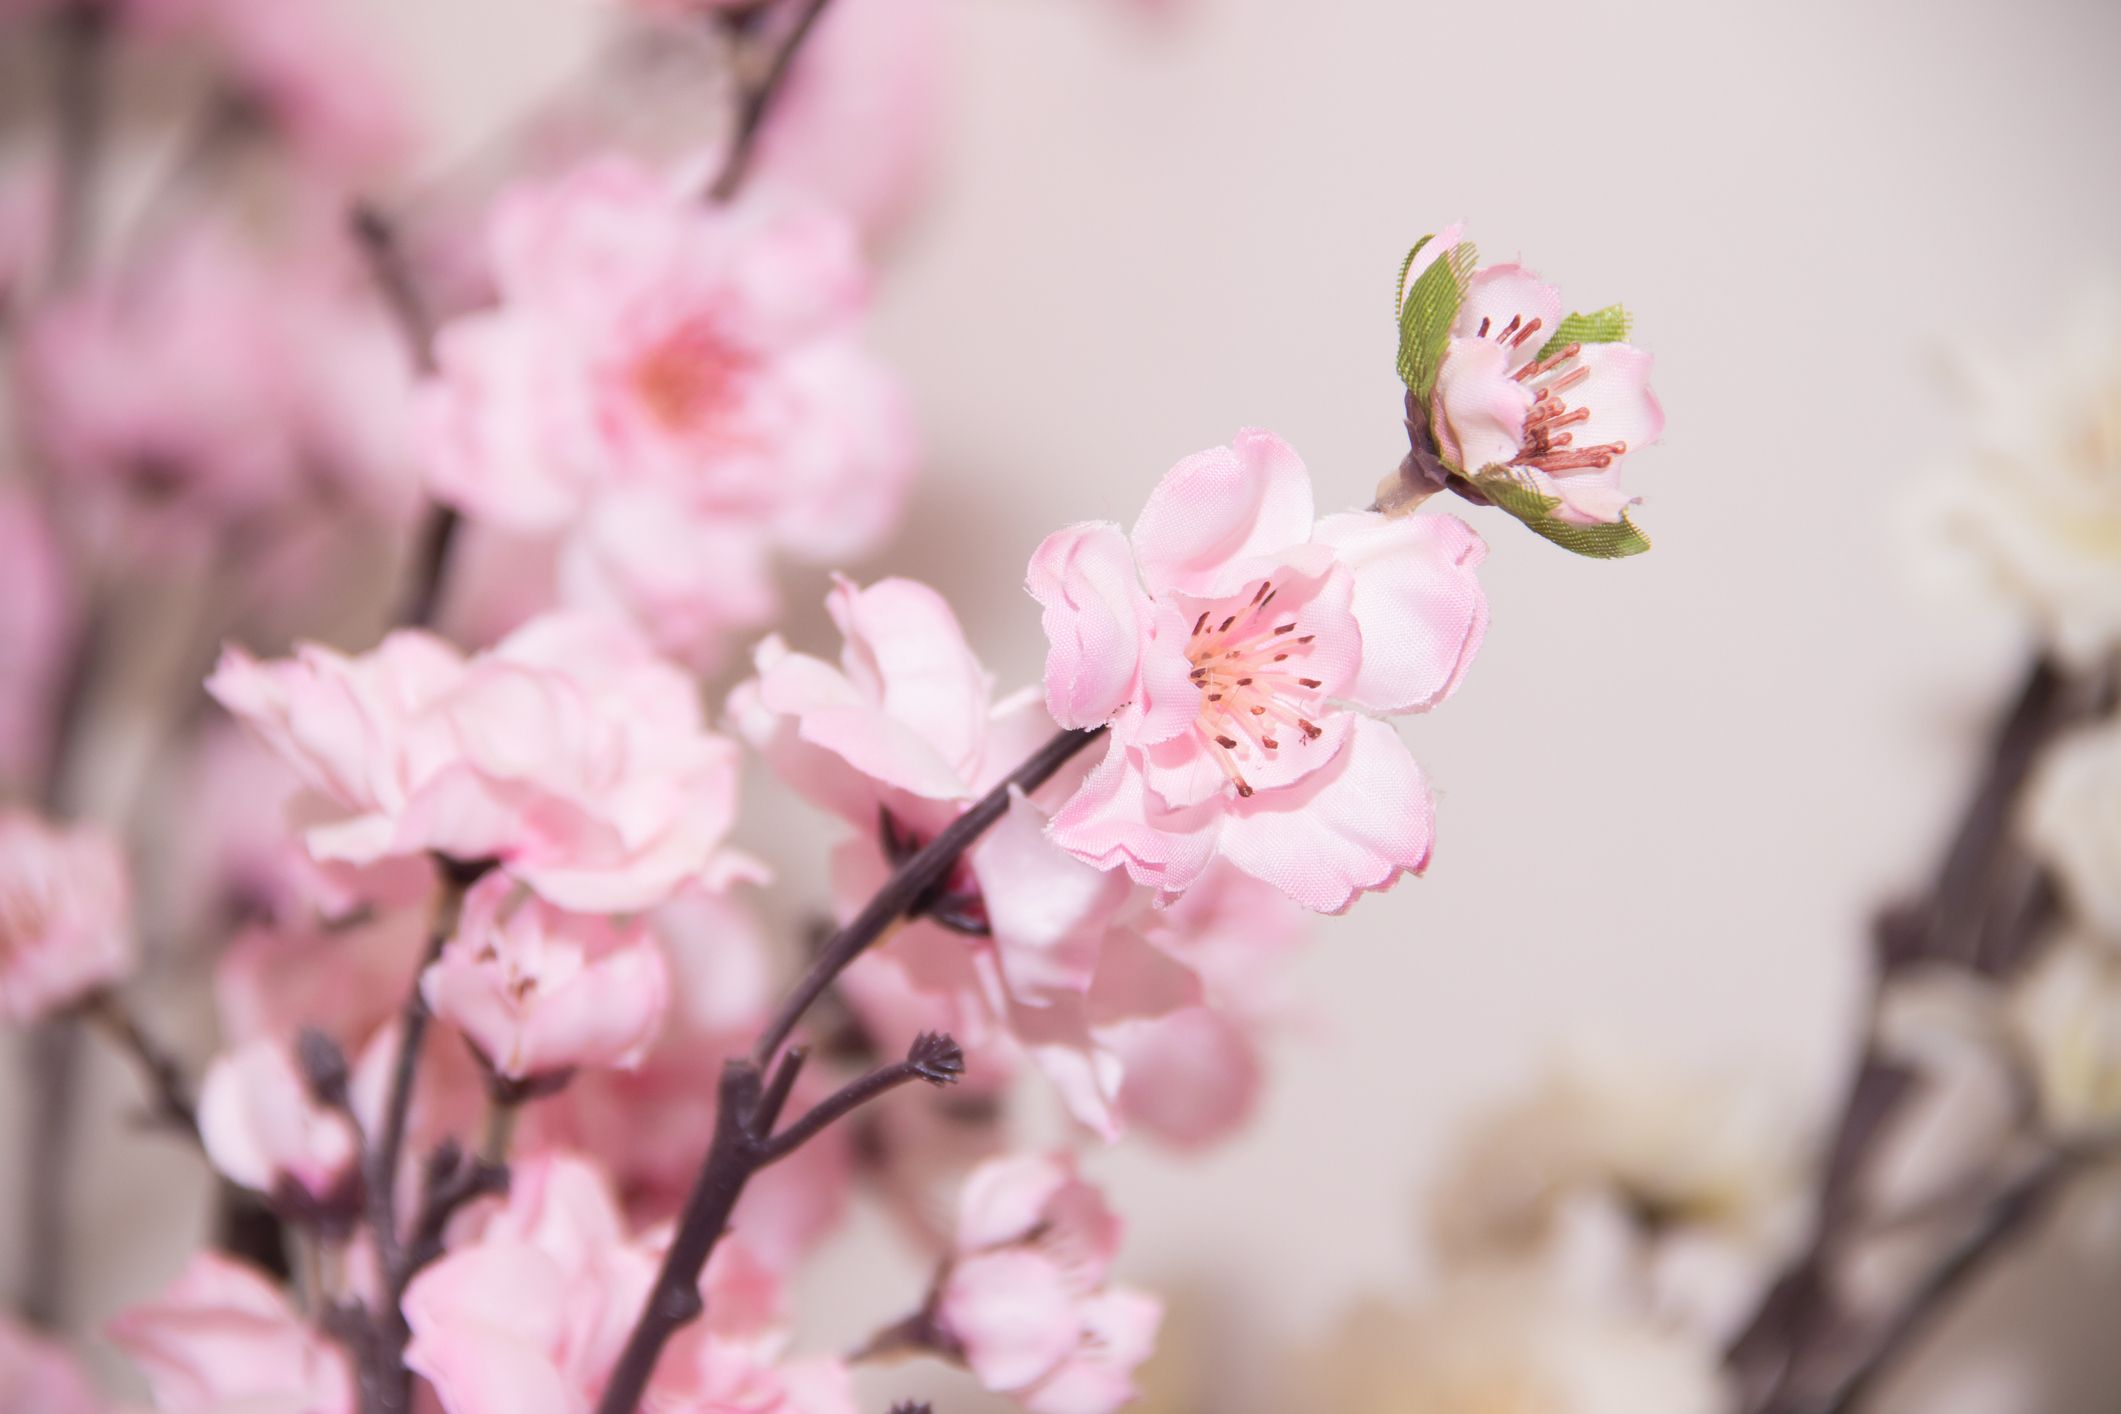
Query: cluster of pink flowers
column 506, row 1072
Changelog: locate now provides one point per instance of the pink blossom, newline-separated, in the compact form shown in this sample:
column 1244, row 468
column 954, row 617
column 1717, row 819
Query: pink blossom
column 860, row 119
column 66, row 925
column 262, row 1129
column 40, row 1376
column 219, row 382
column 531, row 1315
column 36, row 625
column 675, row 389
column 1564, row 422
column 222, row 1337
column 529, row 1312
column 540, row 992
column 568, row 752
column 650, row 1125
column 1224, row 647
column 1025, row 1298
column 345, row 979
column 900, row 737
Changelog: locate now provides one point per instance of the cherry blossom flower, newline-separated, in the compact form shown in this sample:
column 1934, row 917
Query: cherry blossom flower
column 41, row 1375
column 66, row 925
column 223, row 1337
column 220, row 382
column 674, row 390
column 1025, row 1301
column 1224, row 646
column 568, row 752
column 2065, row 1017
column 531, row 1312
column 1559, row 418
column 264, row 1130
column 540, row 992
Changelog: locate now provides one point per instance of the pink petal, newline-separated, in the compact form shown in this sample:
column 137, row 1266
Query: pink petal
column 1219, row 508
column 1499, row 294
column 1339, row 832
column 1014, row 1313
column 1114, row 822
column 1193, row 1078
column 1480, row 407
column 1096, row 621
column 906, row 652
column 1048, row 910
column 1005, row 1200
column 1422, row 611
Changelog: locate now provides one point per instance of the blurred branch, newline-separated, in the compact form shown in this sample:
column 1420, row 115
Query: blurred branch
column 758, row 100
column 83, row 31
column 171, row 1097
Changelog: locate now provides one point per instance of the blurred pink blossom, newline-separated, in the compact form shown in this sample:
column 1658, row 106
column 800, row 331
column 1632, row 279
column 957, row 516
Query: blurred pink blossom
column 540, row 992
column 569, row 752
column 219, row 382
column 1220, row 645
column 1025, row 1298
column 1564, row 422
column 222, row 1337
column 66, row 926
column 263, row 1130
column 675, row 390
column 41, row 1376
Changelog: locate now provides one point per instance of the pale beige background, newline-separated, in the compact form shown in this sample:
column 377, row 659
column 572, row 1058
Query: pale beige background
column 1672, row 789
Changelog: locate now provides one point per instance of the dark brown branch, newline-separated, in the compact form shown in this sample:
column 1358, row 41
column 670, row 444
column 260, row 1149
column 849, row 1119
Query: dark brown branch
column 2009, row 1217
column 758, row 100
column 83, row 29
column 912, row 882
column 934, row 1058
column 169, row 1095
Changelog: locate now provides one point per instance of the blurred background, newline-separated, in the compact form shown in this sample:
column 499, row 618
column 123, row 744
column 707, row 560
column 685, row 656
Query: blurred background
column 1676, row 789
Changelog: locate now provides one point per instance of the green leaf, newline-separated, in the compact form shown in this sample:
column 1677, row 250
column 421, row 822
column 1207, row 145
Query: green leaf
column 1425, row 315
column 1600, row 326
column 1399, row 291
column 1518, row 497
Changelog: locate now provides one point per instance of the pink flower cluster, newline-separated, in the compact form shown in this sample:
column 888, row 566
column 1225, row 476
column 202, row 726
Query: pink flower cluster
column 569, row 754
column 65, row 915
column 672, row 391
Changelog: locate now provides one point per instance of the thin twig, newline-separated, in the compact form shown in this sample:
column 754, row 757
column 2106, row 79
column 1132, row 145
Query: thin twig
column 935, row 1059
column 912, row 881
column 173, row 1104
column 2008, row 1217
column 758, row 103
column 741, row 1145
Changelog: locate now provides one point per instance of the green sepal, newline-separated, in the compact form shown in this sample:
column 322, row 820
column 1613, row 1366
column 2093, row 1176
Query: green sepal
column 1426, row 312
column 1511, row 493
column 1600, row 326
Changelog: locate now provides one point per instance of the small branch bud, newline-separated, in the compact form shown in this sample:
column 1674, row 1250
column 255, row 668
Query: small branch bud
column 936, row 1058
column 323, row 1067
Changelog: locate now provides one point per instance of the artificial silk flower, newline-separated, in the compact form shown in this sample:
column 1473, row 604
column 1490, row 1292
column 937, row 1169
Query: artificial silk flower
column 222, row 1337
column 264, row 1130
column 1557, row 408
column 1236, row 647
column 569, row 753
column 1024, row 1301
column 66, row 927
column 540, row 992
column 220, row 382
column 675, row 390
column 898, row 738
column 2065, row 1017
